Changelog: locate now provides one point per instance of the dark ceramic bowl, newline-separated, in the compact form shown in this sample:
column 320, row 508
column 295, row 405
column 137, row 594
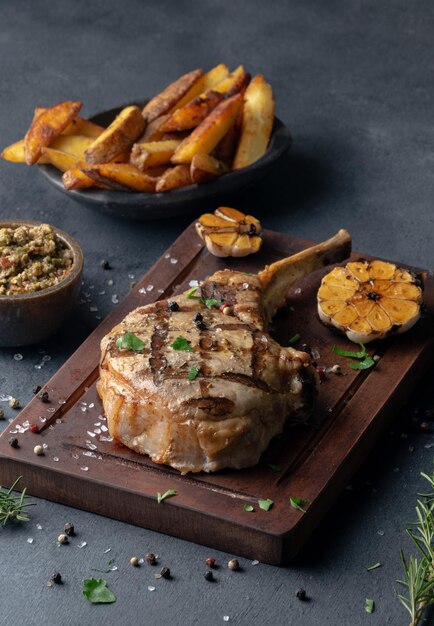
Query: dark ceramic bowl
column 33, row 317
column 146, row 206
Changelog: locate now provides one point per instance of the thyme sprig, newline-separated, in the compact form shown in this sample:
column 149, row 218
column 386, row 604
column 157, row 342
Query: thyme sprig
column 13, row 507
column 419, row 573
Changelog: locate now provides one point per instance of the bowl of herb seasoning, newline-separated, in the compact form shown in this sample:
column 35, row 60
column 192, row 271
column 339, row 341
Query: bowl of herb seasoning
column 40, row 271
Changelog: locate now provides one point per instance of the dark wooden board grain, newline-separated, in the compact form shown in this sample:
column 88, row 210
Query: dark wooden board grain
column 83, row 468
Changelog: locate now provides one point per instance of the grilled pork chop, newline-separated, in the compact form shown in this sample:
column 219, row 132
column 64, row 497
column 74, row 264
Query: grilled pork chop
column 207, row 390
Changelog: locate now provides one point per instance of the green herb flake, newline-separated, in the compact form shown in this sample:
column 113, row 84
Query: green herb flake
column 190, row 294
column 265, row 505
column 352, row 355
column 129, row 341
column 371, row 567
column 167, row 494
column 363, row 365
column 211, row 302
column 294, row 339
column 95, row 590
column 369, row 605
column 192, row 373
column 248, row 508
column 299, row 503
column 275, row 468
column 181, row 343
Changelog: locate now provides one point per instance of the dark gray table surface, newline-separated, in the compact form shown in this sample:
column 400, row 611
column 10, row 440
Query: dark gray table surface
column 353, row 82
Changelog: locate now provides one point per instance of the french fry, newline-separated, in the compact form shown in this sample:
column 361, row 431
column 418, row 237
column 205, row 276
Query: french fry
column 146, row 155
column 204, row 83
column 205, row 167
column 15, row 153
column 78, row 126
column 225, row 150
column 118, row 137
column 164, row 101
column 46, row 127
column 194, row 112
column 120, row 176
column 207, row 135
column 153, row 131
column 63, row 161
column 257, row 123
column 173, row 178
column 75, row 178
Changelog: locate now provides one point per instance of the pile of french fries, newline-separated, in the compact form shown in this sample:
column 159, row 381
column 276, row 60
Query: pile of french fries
column 200, row 127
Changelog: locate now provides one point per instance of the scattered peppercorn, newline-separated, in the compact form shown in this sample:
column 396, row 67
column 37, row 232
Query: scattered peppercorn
column 210, row 561
column 163, row 573
column 425, row 427
column 44, row 397
column 36, row 389
column 200, row 325
column 321, row 373
column 14, row 403
column 336, row 369
column 198, row 318
column 134, row 561
column 209, row 575
column 105, row 265
column 233, row 565
column 34, row 428
column 69, row 529
column 2, row 414
column 376, row 358
column 13, row 442
column 56, row 578
column 301, row 594
column 227, row 310
column 38, row 450
column 63, row 538
column 173, row 306
column 151, row 559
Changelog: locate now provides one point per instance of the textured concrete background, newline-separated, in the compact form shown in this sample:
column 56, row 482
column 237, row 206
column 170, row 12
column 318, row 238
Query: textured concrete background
column 352, row 80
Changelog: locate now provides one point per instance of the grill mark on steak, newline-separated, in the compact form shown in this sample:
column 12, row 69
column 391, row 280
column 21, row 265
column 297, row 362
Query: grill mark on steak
column 213, row 406
column 158, row 361
column 258, row 348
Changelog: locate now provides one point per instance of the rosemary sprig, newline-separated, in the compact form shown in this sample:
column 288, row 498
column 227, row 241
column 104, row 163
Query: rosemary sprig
column 419, row 574
column 13, row 507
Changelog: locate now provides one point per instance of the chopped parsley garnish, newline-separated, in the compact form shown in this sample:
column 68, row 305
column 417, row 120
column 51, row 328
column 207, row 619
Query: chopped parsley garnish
column 129, row 341
column 299, row 503
column 248, row 508
column 275, row 468
column 265, row 505
column 95, row 590
column 369, row 605
column 364, row 364
column 192, row 373
column 181, row 343
column 371, row 567
column 294, row 339
column 208, row 302
column 167, row 494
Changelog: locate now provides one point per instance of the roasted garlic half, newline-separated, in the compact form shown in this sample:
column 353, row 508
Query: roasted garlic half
column 229, row 232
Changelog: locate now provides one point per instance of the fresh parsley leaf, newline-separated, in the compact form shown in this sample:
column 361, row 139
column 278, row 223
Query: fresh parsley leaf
column 211, row 302
column 371, row 567
column 167, row 494
column 369, row 605
column 181, row 343
column 265, row 505
column 298, row 503
column 248, row 508
column 275, row 468
column 294, row 339
column 352, row 355
column 192, row 373
column 129, row 341
column 190, row 294
column 95, row 590
column 367, row 362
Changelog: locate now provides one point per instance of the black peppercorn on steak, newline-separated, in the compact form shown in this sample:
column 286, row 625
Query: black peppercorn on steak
column 196, row 382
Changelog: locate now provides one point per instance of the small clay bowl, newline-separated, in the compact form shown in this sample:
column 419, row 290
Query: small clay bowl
column 33, row 317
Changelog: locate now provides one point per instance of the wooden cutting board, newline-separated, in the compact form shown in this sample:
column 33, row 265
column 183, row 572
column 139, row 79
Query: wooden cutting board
column 82, row 467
